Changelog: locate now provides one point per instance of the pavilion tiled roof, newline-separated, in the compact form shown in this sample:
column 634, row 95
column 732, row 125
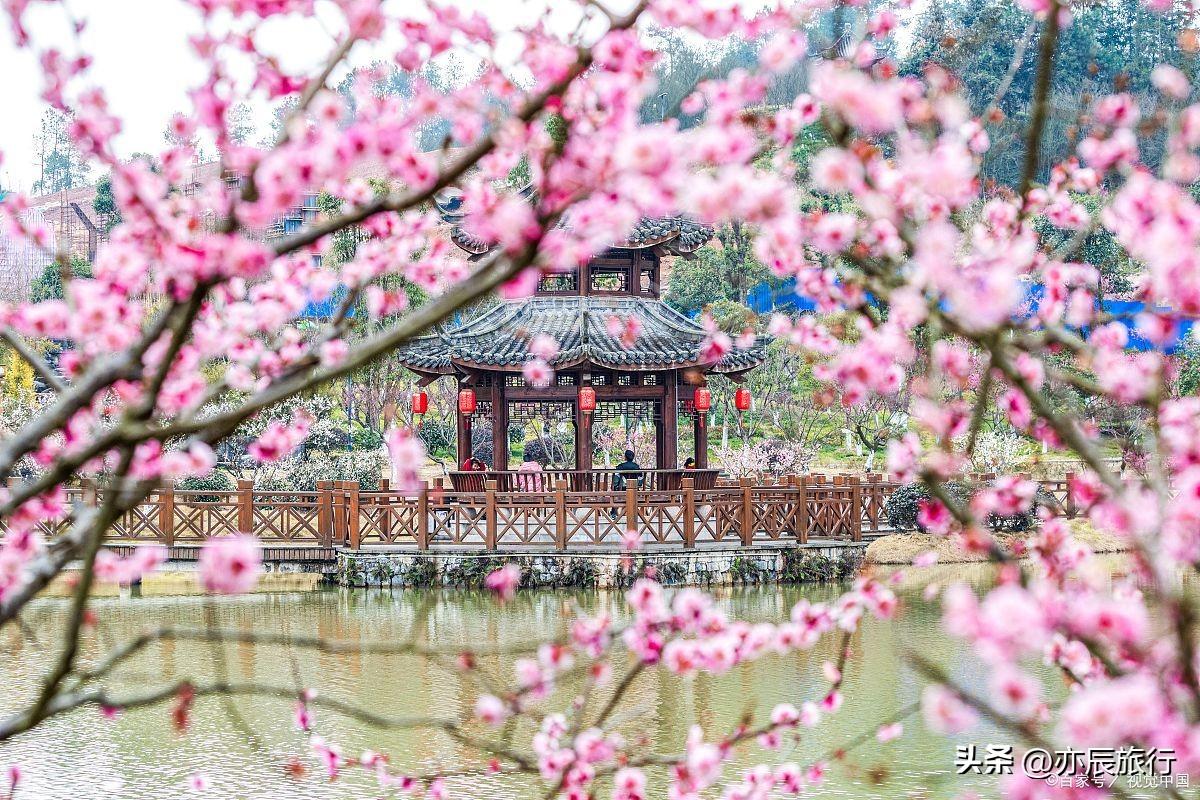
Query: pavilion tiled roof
column 498, row 338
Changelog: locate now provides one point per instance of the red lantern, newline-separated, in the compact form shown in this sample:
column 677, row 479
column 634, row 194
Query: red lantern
column 466, row 401
column 741, row 399
column 587, row 398
column 420, row 403
column 702, row 399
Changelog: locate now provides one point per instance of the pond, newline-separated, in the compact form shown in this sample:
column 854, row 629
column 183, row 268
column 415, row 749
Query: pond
column 138, row 755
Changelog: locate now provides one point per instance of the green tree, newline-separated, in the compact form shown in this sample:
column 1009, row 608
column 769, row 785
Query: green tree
column 1187, row 380
column 105, row 205
column 726, row 270
column 60, row 164
column 49, row 285
column 693, row 285
column 1099, row 248
column 1110, row 45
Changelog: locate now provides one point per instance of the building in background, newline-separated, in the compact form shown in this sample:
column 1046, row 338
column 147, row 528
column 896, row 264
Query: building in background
column 21, row 261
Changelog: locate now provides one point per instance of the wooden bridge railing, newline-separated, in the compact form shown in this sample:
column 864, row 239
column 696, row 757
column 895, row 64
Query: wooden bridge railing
column 596, row 480
column 789, row 509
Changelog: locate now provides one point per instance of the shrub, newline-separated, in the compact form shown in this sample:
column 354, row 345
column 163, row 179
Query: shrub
column 546, row 450
column 470, row 573
column 800, row 566
column 746, row 570
column 904, row 505
column 581, row 574
column 422, row 572
column 366, row 467
column 849, row 563
column 367, row 439
column 670, row 573
column 1028, row 519
column 216, row 481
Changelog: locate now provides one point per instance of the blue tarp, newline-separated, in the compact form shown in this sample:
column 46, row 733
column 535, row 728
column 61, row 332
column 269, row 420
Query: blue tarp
column 324, row 309
column 763, row 299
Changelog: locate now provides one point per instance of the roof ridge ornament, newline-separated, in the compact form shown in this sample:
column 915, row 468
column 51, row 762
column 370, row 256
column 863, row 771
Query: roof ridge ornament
column 675, row 234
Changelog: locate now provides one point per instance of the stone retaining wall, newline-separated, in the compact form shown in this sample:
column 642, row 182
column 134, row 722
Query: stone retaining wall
column 741, row 565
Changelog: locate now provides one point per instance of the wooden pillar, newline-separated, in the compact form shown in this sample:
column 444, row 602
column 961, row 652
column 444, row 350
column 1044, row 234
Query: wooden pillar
column 747, row 512
column 670, row 422
column 325, row 513
column 166, row 514
column 464, row 438
column 422, row 532
column 560, row 515
column 802, row 515
column 338, row 496
column 689, row 513
column 700, row 426
column 245, row 506
column 855, row 509
column 499, row 424
column 660, row 456
column 583, row 439
column 1069, row 504
column 489, row 535
column 353, row 535
column 631, row 512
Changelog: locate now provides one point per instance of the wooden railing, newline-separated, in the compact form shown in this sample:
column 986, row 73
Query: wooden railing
column 339, row 514
column 596, row 480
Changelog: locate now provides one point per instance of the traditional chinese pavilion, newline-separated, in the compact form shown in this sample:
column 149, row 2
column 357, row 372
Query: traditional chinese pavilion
column 599, row 373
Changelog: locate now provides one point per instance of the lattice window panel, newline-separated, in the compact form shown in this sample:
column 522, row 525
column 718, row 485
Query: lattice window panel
column 545, row 411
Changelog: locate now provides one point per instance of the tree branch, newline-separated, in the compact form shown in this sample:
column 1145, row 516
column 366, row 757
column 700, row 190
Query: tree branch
column 1041, row 94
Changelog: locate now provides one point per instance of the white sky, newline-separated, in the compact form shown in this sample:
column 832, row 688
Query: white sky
column 143, row 61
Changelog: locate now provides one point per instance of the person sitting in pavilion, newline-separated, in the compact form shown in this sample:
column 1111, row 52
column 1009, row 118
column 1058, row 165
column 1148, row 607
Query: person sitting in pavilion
column 627, row 470
column 689, row 463
column 529, row 477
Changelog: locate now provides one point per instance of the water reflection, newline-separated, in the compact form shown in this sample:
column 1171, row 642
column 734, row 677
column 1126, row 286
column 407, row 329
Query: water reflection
column 139, row 756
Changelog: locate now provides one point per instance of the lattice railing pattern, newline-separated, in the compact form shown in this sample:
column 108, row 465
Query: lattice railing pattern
column 286, row 517
column 594, row 519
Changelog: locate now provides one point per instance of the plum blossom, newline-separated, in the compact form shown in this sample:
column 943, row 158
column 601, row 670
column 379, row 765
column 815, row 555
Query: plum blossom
column 917, row 242
column 491, row 710
column 543, row 346
column 1013, row 692
column 504, row 581
column 890, row 731
column 944, row 712
column 629, row 783
column 230, row 564
column 125, row 571
column 407, row 454
column 279, row 439
column 1124, row 709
